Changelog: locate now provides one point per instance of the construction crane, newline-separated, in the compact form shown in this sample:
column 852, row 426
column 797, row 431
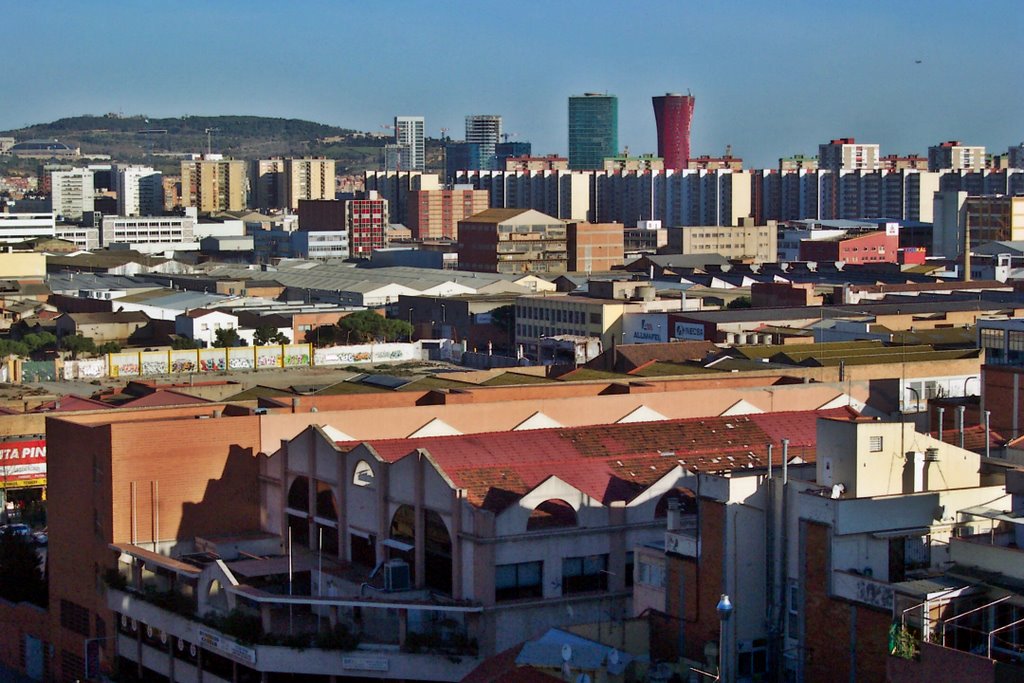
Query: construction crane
column 209, row 131
column 444, row 135
column 505, row 136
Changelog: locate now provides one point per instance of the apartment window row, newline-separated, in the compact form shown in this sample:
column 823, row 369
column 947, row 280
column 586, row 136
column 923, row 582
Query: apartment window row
column 581, row 574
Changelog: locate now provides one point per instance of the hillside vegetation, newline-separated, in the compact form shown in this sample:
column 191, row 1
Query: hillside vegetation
column 159, row 141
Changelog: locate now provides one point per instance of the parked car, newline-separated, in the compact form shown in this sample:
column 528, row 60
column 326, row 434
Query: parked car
column 19, row 530
column 41, row 537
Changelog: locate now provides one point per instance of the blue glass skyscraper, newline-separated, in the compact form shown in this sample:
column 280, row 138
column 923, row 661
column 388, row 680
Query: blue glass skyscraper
column 593, row 130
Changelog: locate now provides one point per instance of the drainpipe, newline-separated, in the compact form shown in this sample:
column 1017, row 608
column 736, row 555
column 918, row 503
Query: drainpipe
column 960, row 415
column 988, row 441
column 940, row 410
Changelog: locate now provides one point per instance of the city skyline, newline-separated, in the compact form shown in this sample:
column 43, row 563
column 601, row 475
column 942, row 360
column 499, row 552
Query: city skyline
column 771, row 81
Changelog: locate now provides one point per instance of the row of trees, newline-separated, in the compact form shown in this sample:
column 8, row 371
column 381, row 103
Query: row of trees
column 40, row 342
column 359, row 328
column 264, row 335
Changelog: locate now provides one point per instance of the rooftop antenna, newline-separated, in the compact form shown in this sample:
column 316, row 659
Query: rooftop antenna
column 209, row 131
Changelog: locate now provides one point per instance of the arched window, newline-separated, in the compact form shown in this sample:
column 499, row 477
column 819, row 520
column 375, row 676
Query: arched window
column 325, row 504
column 298, row 494
column 552, row 514
column 363, row 474
column 216, row 597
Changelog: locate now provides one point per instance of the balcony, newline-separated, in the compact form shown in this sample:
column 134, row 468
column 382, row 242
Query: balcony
column 248, row 611
column 682, row 537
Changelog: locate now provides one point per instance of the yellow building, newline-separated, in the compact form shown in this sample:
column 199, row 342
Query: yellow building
column 746, row 241
column 22, row 265
column 994, row 218
column 308, row 179
column 213, row 185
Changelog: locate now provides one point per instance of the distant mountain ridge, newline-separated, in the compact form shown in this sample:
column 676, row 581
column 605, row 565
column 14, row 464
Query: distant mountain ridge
column 157, row 140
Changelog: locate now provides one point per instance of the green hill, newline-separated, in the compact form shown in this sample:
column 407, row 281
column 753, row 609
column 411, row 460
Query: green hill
column 159, row 141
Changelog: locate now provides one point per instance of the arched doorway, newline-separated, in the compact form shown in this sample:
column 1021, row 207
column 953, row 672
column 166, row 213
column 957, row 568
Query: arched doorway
column 298, row 510
column 437, row 546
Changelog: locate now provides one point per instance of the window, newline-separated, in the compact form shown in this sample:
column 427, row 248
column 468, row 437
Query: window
column 517, row 581
column 752, row 658
column 583, row 574
column 74, row 618
column 875, row 444
column 650, row 574
column 630, row 568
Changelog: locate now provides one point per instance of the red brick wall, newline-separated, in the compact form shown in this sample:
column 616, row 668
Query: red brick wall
column 828, row 622
column 703, row 582
column 16, row 622
column 205, row 471
column 999, row 398
column 939, row 664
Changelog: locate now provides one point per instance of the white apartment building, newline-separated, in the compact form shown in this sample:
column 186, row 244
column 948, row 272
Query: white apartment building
column 20, row 226
column 143, row 233
column 72, row 193
column 140, row 190
column 845, row 154
column 409, row 138
column 952, row 154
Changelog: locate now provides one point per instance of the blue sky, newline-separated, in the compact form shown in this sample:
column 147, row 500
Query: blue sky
column 771, row 78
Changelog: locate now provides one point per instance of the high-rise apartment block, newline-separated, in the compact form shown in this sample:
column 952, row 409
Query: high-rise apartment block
column 140, row 191
column 593, row 130
column 283, row 183
column 952, row 154
column 213, row 184
column 844, row 154
column 512, row 241
column 435, row 214
column 72, row 193
column 485, row 130
column 308, row 179
column 673, row 114
column 366, row 221
column 396, row 186
column 409, row 138
column 267, row 184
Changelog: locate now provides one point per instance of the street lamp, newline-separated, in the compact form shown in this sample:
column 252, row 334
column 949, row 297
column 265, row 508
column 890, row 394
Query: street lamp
column 724, row 609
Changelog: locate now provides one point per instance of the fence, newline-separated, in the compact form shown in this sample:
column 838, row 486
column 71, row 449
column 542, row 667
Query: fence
column 244, row 358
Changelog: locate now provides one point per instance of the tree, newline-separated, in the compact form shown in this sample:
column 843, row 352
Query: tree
column 226, row 337
column 739, row 302
column 12, row 348
column 325, row 335
column 365, row 326
column 186, row 343
column 21, row 576
column 265, row 335
column 77, row 344
column 38, row 341
column 108, row 347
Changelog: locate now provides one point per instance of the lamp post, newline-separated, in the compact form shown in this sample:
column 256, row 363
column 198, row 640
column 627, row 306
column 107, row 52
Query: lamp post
column 724, row 609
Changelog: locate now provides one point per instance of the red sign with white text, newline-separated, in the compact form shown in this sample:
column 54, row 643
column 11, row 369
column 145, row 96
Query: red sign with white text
column 23, row 463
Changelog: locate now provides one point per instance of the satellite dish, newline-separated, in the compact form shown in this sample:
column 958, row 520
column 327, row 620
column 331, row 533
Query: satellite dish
column 583, row 678
column 613, row 657
column 566, row 652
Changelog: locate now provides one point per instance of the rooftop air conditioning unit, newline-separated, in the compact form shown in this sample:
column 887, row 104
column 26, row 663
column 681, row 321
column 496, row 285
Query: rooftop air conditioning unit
column 396, row 576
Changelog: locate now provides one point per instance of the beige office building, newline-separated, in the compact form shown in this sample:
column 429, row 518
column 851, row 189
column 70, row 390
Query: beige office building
column 214, row 185
column 746, row 241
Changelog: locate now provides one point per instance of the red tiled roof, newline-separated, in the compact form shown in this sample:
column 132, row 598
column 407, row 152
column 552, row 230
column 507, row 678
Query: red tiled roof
column 974, row 437
column 501, row 668
column 609, row 462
